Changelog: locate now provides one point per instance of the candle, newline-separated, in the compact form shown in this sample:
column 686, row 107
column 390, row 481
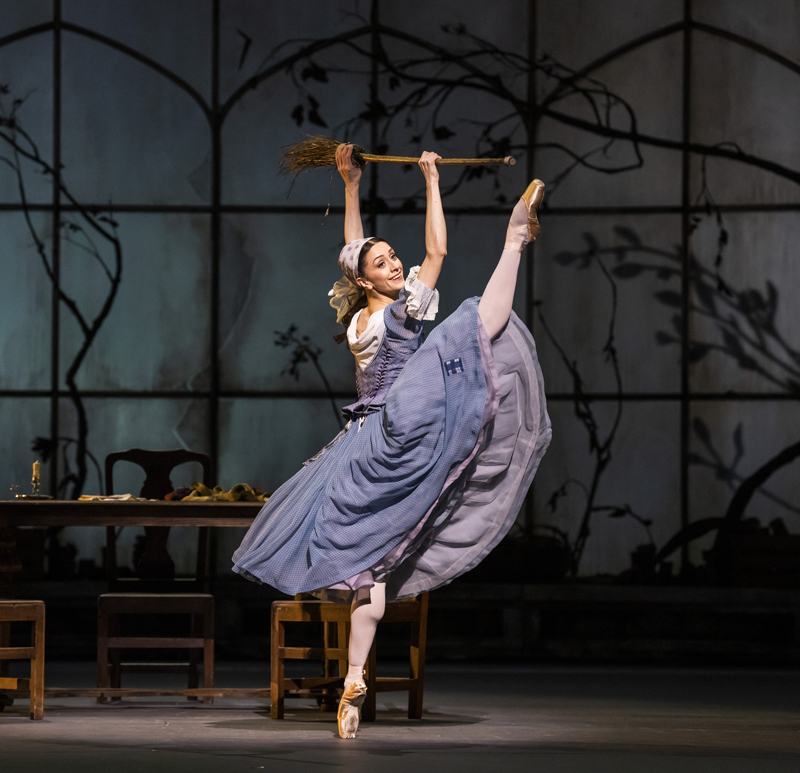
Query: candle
column 36, row 469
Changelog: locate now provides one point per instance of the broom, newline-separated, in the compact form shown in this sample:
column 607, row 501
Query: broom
column 318, row 151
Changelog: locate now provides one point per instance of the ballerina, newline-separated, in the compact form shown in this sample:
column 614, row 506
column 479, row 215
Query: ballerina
column 439, row 449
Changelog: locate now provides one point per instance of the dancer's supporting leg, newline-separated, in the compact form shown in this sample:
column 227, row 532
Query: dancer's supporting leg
column 364, row 619
column 495, row 304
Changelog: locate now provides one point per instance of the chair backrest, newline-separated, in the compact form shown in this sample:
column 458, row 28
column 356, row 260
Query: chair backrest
column 156, row 569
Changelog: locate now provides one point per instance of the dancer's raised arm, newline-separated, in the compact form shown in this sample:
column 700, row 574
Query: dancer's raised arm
column 353, row 229
column 435, row 228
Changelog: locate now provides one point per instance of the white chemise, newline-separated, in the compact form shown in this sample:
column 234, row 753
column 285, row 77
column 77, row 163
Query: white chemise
column 421, row 303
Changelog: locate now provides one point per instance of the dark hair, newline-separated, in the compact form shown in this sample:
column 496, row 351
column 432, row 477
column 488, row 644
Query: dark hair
column 362, row 303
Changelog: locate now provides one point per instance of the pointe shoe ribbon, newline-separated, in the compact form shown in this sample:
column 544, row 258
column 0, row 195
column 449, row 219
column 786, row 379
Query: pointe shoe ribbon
column 350, row 708
column 524, row 224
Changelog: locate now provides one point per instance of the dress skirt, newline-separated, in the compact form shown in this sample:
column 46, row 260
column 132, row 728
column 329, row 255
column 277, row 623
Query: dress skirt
column 418, row 492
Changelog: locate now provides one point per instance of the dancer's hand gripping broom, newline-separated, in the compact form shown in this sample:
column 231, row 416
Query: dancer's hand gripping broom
column 316, row 152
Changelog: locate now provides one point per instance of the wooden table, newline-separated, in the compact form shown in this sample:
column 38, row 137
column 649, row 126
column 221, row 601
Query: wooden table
column 50, row 512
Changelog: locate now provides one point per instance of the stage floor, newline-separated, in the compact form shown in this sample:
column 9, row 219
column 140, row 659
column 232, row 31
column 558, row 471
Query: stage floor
column 477, row 718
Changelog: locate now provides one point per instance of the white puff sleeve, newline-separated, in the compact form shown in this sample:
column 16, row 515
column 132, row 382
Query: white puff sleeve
column 421, row 301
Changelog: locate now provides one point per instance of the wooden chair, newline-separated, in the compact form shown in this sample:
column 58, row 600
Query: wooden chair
column 32, row 612
column 155, row 590
column 336, row 624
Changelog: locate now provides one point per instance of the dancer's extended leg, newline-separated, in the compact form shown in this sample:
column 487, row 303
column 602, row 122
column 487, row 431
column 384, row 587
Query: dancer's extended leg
column 495, row 304
column 364, row 619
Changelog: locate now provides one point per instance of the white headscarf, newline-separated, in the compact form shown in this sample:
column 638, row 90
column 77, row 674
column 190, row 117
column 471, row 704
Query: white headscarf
column 346, row 293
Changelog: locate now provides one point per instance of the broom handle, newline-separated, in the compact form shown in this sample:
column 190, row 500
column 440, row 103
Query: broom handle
column 507, row 161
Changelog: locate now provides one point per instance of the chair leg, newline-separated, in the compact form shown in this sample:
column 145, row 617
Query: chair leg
column 194, row 658
column 369, row 709
column 328, row 699
column 277, row 642
column 115, row 654
column 102, row 651
column 208, row 648
column 344, row 636
column 5, row 641
column 37, row 670
column 419, row 638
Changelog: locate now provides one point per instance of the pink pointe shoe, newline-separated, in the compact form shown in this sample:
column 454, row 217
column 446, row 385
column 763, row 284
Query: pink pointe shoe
column 524, row 224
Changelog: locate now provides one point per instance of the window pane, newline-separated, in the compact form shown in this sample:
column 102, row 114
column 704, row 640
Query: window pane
column 261, row 123
column 27, row 70
column 643, row 473
column 25, row 304
column 746, row 336
column 577, row 300
column 730, row 441
column 21, row 15
column 150, row 27
column 739, row 96
column 156, row 335
column 23, row 419
column 129, row 135
column 276, row 272
column 657, row 112
column 580, row 31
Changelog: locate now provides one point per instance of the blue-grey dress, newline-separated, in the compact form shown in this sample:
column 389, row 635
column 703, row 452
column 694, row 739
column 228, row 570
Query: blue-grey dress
column 429, row 474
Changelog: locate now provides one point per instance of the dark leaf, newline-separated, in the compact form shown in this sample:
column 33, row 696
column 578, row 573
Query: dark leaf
column 669, row 298
column 442, row 133
column 44, row 447
column 705, row 295
column 297, row 114
column 394, row 82
column 746, row 362
column 565, row 258
column 664, row 339
column 245, row 48
column 316, row 118
column 627, row 270
column 590, row 240
column 315, row 72
column 738, row 443
column 701, row 430
column 697, row 352
column 628, row 234
column 733, row 344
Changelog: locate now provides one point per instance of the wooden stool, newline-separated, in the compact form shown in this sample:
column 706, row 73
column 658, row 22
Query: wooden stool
column 33, row 612
column 336, row 624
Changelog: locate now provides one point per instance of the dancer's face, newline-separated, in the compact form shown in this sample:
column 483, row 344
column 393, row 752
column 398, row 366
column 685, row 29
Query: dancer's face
column 383, row 271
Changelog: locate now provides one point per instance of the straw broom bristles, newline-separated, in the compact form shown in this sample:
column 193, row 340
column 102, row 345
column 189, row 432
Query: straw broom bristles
column 318, row 151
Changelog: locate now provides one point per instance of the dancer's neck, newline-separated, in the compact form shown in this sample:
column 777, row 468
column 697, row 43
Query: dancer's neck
column 375, row 302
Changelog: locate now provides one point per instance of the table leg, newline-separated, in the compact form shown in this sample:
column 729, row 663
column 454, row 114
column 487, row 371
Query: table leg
column 10, row 562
